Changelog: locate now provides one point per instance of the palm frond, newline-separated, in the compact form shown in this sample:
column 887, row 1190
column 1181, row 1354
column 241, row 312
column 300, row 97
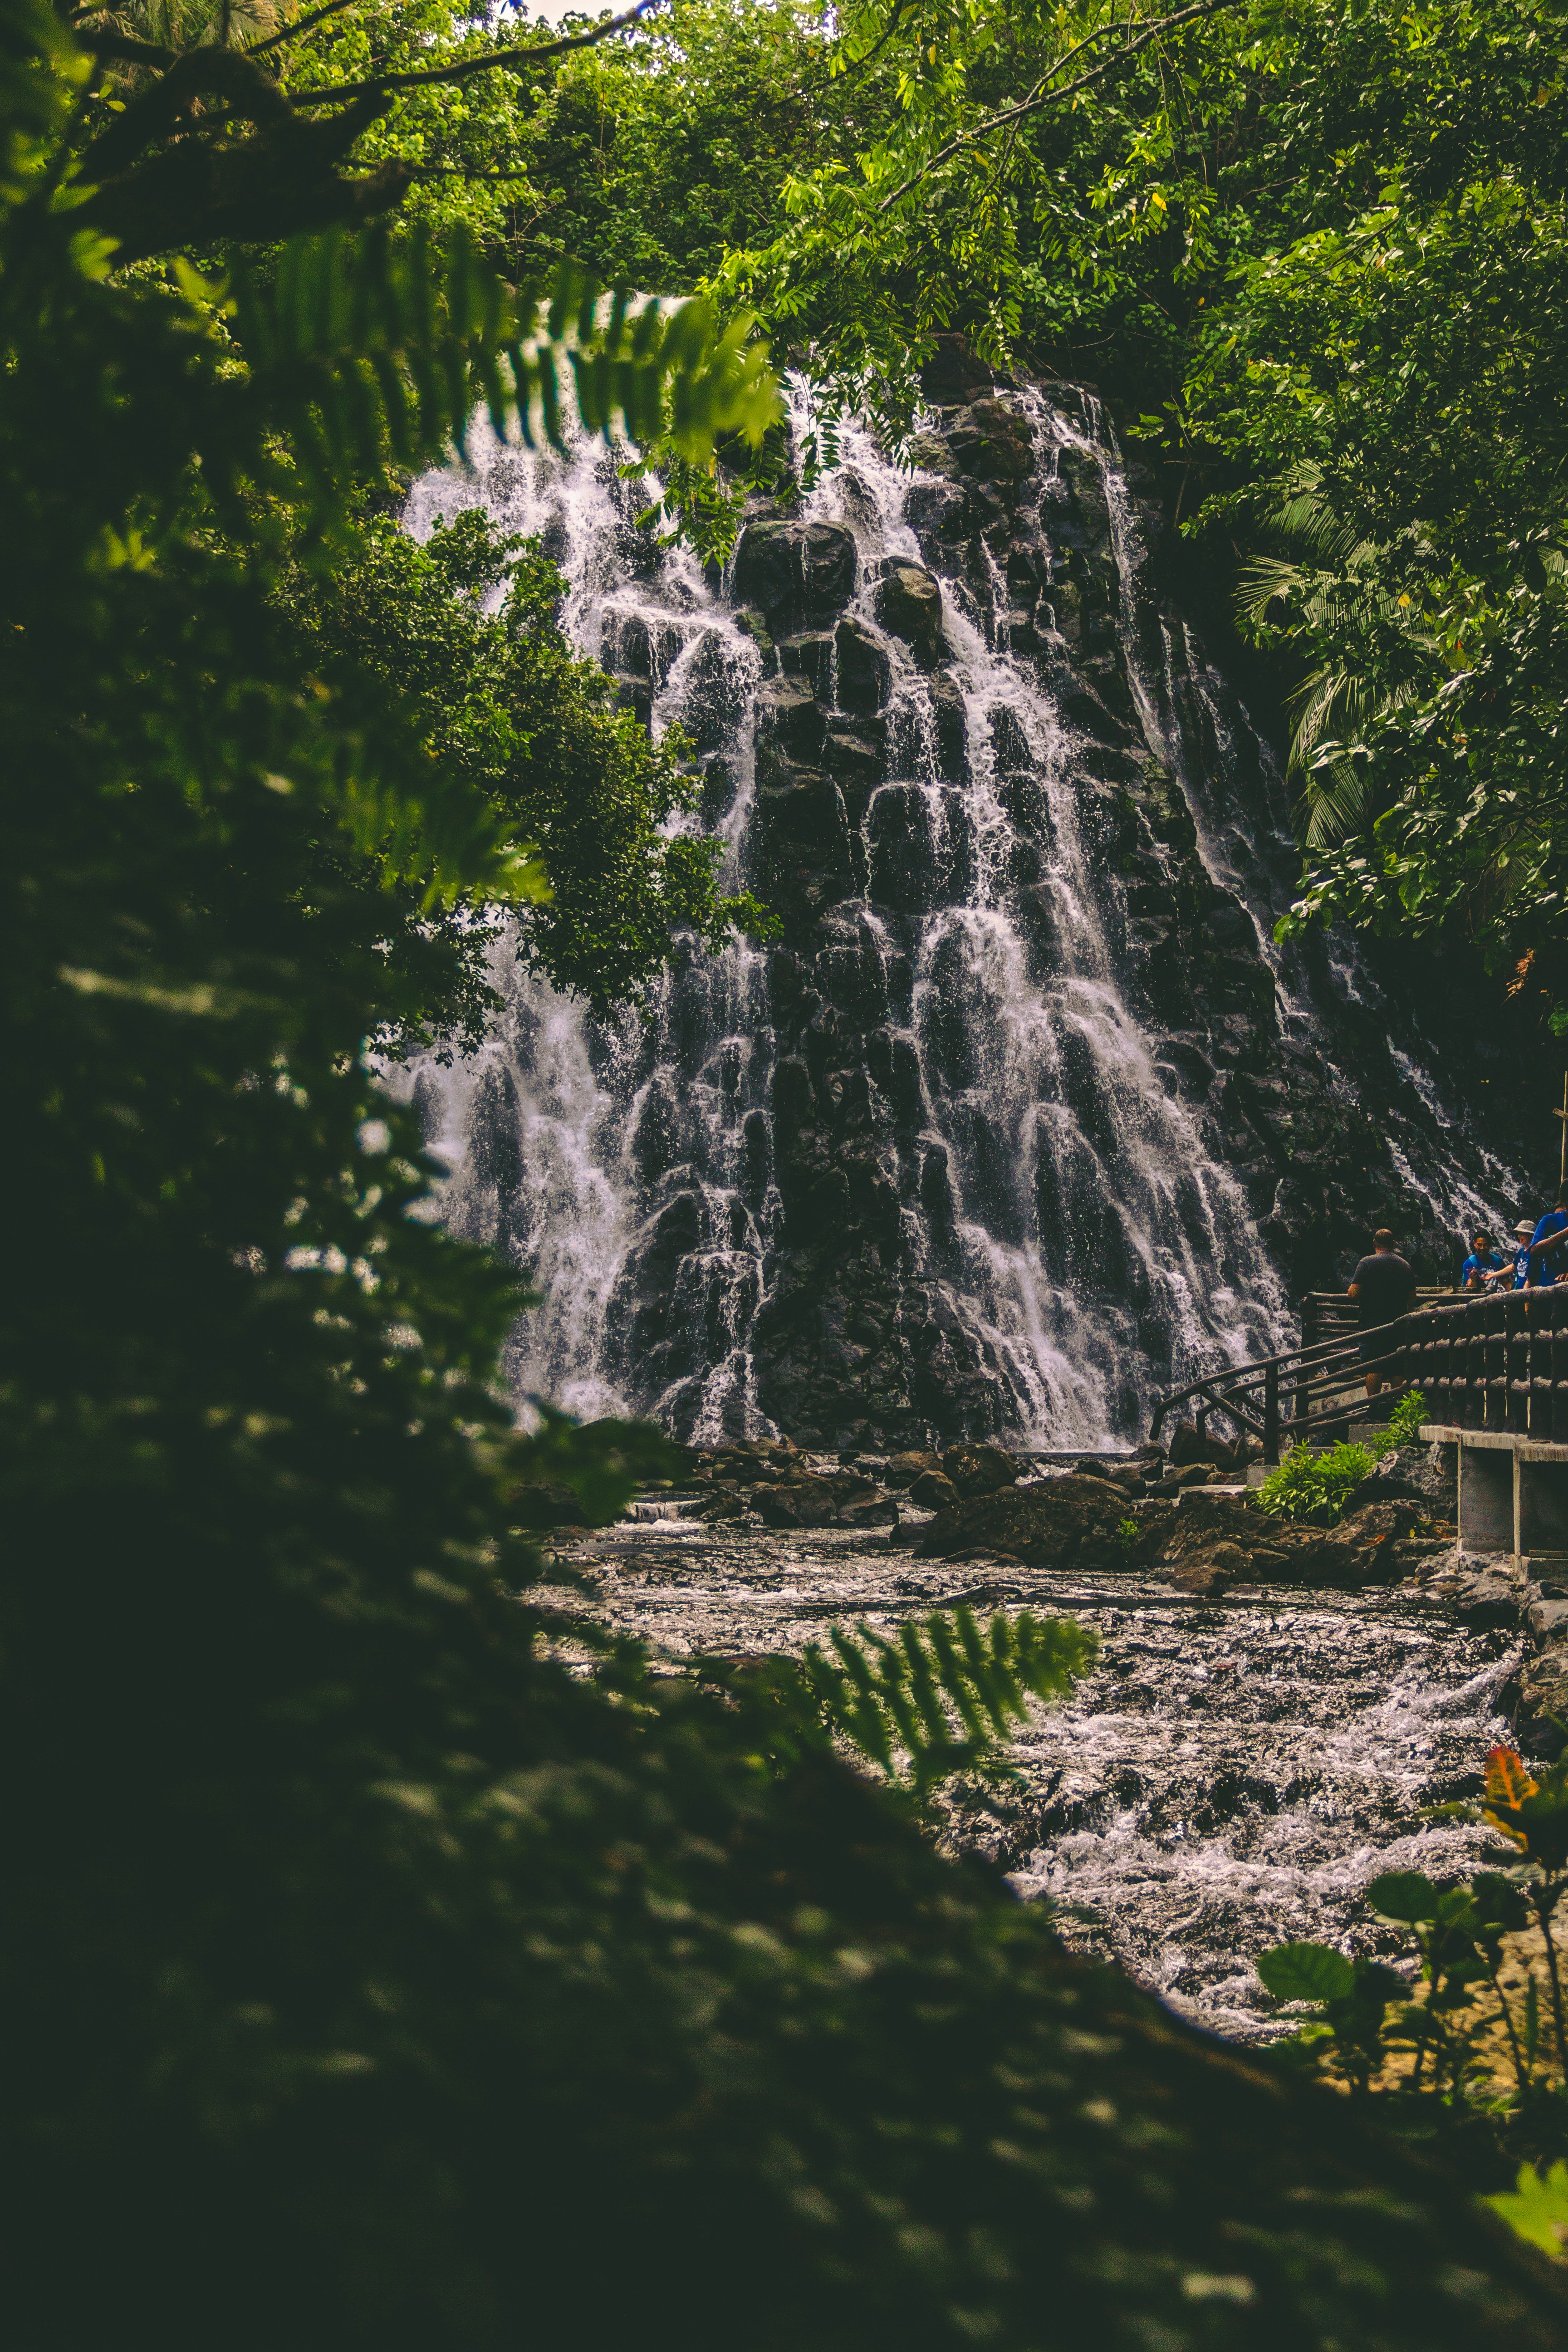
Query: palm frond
column 943, row 1697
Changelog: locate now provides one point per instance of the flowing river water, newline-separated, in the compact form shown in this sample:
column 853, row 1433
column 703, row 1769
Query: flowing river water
column 1235, row 1772
column 1231, row 1775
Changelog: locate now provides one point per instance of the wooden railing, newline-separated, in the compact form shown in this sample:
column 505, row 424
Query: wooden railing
column 1481, row 1363
column 1331, row 1314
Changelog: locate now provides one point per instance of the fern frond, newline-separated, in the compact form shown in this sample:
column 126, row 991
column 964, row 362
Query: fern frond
column 361, row 346
column 945, row 1695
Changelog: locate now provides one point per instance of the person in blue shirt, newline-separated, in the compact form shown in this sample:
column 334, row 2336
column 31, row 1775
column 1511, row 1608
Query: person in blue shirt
column 1547, row 1248
column 1524, row 1234
column 1483, row 1262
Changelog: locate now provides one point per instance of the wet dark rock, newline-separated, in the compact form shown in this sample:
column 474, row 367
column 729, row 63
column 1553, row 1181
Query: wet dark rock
column 980, row 1469
column 903, row 1469
column 1214, row 1568
column 871, row 1510
column 789, row 715
column 865, row 671
column 1378, row 1544
column 543, row 1505
column 932, row 1491
column 909, row 605
column 991, row 441
column 952, row 721
column 809, row 659
column 1191, row 1474
column 798, row 1503
column 931, row 453
column 797, row 574
column 802, row 1500
column 1541, row 1703
column 1069, row 1522
column 729, row 1506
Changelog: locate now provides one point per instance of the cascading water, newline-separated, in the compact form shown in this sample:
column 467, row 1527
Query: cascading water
column 951, row 1156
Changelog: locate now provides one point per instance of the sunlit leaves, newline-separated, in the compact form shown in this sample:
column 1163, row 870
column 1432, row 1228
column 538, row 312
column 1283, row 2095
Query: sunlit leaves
column 1536, row 2207
column 939, row 1698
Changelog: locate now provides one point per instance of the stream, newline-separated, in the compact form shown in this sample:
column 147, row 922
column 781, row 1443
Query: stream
column 1230, row 1777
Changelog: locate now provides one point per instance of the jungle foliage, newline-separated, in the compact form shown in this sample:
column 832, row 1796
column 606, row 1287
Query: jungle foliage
column 503, row 703
column 391, row 1957
column 1473, row 2053
column 1312, row 253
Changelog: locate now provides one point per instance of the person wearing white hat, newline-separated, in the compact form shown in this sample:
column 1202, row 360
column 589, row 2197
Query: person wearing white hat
column 1524, row 1233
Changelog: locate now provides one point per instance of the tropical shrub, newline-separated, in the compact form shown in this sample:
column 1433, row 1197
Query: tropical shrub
column 1484, row 2029
column 1306, row 1483
column 1408, row 1418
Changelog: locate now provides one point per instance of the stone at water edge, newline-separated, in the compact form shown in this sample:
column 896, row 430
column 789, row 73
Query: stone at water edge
column 844, row 1499
column 903, row 1469
column 932, row 1491
column 797, row 1503
column 1071, row 1522
column 1191, row 1474
column 1379, row 1544
column 542, row 1505
column 978, row 1469
column 1214, row 1570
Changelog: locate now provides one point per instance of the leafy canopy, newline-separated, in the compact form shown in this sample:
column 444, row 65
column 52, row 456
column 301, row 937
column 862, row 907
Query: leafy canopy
column 373, row 1931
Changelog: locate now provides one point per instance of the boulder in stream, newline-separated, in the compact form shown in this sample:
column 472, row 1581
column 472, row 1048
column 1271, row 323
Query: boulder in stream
column 1071, row 1522
column 903, row 1469
column 980, row 1469
column 542, row 1505
column 805, row 1501
column 1380, row 1543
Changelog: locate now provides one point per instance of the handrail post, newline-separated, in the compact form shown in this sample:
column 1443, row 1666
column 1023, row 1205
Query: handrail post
column 1271, row 1412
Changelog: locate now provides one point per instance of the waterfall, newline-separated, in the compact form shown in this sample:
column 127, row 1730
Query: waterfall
column 952, row 1156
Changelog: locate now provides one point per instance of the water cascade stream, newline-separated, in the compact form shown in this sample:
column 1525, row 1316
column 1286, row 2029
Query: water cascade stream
column 1025, row 1116
column 1232, row 1775
column 1025, row 1111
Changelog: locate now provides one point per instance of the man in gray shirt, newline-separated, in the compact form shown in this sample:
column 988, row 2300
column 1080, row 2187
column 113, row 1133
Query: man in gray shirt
column 1384, row 1288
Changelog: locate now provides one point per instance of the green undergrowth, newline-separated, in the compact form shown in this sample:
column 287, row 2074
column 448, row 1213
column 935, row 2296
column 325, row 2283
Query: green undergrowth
column 1307, row 1484
column 1467, row 2051
column 1408, row 1419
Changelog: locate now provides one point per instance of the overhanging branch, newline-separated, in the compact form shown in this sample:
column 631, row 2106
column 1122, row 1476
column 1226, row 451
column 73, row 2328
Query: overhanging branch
column 302, row 25
column 1039, row 98
column 515, row 60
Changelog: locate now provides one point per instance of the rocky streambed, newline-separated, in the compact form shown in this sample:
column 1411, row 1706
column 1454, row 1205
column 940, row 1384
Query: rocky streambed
column 1255, row 1745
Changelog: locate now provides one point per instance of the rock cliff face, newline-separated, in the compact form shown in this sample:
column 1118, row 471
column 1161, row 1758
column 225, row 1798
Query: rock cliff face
column 1024, row 1114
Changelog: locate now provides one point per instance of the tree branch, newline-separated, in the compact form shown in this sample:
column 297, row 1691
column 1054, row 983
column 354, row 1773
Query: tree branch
column 123, row 51
column 292, row 32
column 518, row 60
column 156, row 111
column 1038, row 98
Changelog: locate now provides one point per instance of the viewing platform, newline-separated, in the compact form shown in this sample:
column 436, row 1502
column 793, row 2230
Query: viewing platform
column 1513, row 1494
column 1493, row 1374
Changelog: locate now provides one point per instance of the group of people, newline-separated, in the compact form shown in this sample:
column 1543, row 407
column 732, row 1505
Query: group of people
column 1538, row 1257
column 1384, row 1286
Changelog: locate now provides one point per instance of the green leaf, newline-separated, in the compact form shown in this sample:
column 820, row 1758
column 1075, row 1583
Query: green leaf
column 1307, row 1972
column 1536, row 2209
column 1407, row 1895
column 946, row 1692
